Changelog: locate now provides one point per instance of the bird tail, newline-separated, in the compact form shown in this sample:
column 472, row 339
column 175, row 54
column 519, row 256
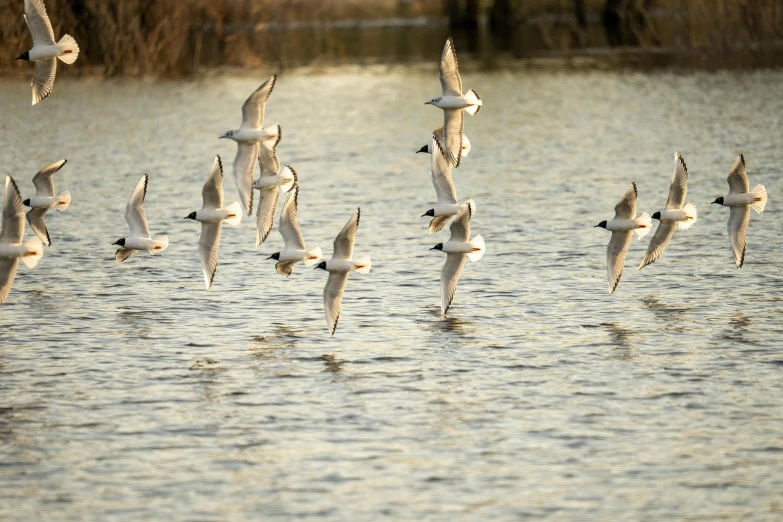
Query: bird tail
column 313, row 256
column 690, row 214
column 162, row 242
column 63, row 201
column 760, row 198
column 465, row 146
column 479, row 249
column 33, row 252
column 473, row 98
column 288, row 174
column 363, row 264
column 70, row 49
column 236, row 209
column 645, row 225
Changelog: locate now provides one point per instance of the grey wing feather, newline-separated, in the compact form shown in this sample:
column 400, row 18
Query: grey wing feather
column 738, row 177
column 453, row 123
column 679, row 187
column 212, row 193
column 441, row 175
column 35, row 217
column 460, row 227
column 449, row 276
column 134, row 210
column 13, row 214
column 38, row 22
column 208, row 245
column 333, row 298
column 44, row 185
column 658, row 242
column 284, row 268
column 289, row 228
column 253, row 108
column 7, row 274
column 265, row 215
column 615, row 257
column 343, row 243
column 43, row 79
column 626, row 207
column 739, row 217
column 123, row 253
column 244, row 162
column 437, row 223
column 450, row 81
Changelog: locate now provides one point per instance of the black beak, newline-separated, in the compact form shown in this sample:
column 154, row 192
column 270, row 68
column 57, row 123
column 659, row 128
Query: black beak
column 270, row 257
column 433, row 248
column 596, row 226
column 424, row 215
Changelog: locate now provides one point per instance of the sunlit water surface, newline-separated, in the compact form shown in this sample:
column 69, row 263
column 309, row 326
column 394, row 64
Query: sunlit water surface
column 129, row 392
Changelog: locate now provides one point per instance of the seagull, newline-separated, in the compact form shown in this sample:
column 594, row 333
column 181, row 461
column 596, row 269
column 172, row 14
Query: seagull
column 45, row 199
column 675, row 216
column 453, row 101
column 268, row 185
column 45, row 51
column 294, row 249
column 139, row 238
column 11, row 247
column 339, row 267
column 211, row 216
column 439, row 136
column 251, row 137
column 457, row 248
column 623, row 226
column 739, row 199
column 447, row 205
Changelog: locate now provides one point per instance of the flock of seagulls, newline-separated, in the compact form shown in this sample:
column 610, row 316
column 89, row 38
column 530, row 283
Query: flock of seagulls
column 679, row 216
column 257, row 145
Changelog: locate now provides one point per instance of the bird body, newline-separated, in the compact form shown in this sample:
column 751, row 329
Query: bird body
column 284, row 180
column 216, row 215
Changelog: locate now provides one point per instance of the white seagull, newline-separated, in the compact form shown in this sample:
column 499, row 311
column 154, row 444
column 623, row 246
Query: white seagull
column 139, row 238
column 675, row 216
column 251, row 137
column 45, row 51
column 624, row 225
column 211, row 216
column 452, row 101
column 339, row 267
column 11, row 247
column 447, row 205
column 269, row 194
column 740, row 200
column 457, row 248
column 438, row 133
column 45, row 199
column 294, row 249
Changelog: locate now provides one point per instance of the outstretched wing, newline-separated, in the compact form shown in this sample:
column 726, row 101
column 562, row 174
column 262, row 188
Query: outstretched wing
column 679, row 187
column 658, row 242
column 7, row 274
column 626, row 207
column 453, row 123
column 134, row 210
column 738, row 177
column 615, row 257
column 343, row 243
column 13, row 214
column 333, row 298
column 440, row 167
column 460, row 227
column 43, row 79
column 35, row 217
column 289, row 228
column 450, row 81
column 38, row 22
column 253, row 109
column 208, row 245
column 265, row 215
column 243, row 174
column 212, row 193
column 449, row 276
column 739, row 217
column 44, row 186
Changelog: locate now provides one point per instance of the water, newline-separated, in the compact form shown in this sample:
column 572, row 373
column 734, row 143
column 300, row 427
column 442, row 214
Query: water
column 129, row 392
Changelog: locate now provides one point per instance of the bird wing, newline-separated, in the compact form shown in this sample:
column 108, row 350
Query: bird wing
column 38, row 22
column 453, row 123
column 460, row 227
column 615, row 257
column 284, row 268
column 449, row 276
column 658, row 242
column 253, row 109
column 35, row 217
column 208, row 245
column 333, row 298
column 265, row 215
column 13, row 214
column 7, row 274
column 679, row 187
column 626, row 207
column 738, row 225
column 43, row 79
column 243, row 174
column 441, row 175
column 212, row 193
column 123, row 253
column 289, row 228
column 343, row 243
column 267, row 157
column 450, row 81
column 438, row 222
column 44, row 186
column 134, row 210
column 738, row 177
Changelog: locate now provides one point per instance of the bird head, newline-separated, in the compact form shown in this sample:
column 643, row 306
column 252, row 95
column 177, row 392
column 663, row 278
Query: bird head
column 192, row 215
column 657, row 216
column 423, row 149
column 439, row 246
column 433, row 101
column 228, row 134
column 275, row 256
column 322, row 265
column 26, row 202
column 602, row 224
column 24, row 56
column 120, row 242
column 430, row 213
column 719, row 201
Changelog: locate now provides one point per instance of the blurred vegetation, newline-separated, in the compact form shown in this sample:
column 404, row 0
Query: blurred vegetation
column 174, row 37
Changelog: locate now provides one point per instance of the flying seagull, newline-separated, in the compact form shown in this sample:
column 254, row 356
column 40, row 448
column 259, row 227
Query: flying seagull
column 294, row 249
column 139, row 238
column 45, row 199
column 447, row 205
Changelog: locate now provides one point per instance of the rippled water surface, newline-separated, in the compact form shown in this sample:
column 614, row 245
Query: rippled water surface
column 129, row 392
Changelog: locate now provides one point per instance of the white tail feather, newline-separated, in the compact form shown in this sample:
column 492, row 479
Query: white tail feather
column 236, row 209
column 33, row 252
column 63, row 201
column 465, row 146
column 70, row 49
column 645, row 225
column 760, row 193
column 363, row 264
column 473, row 99
column 313, row 252
column 690, row 212
column 162, row 242
column 289, row 175
column 478, row 242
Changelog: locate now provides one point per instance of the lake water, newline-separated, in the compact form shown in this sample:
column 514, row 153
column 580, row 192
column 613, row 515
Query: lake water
column 129, row 392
